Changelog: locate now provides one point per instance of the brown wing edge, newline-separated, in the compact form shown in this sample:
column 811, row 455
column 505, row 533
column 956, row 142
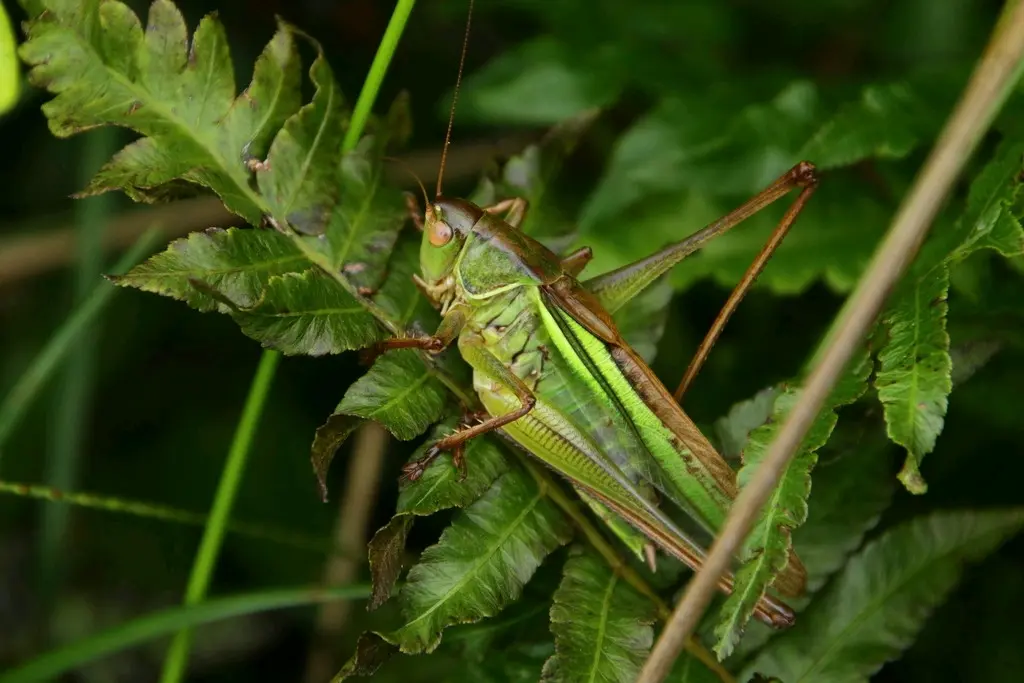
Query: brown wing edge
column 584, row 307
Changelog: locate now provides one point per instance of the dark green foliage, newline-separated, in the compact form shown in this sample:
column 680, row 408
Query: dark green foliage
column 602, row 626
column 482, row 560
column 399, row 392
column 914, row 378
column 766, row 550
column 324, row 267
column 438, row 489
column 234, row 264
column 878, row 603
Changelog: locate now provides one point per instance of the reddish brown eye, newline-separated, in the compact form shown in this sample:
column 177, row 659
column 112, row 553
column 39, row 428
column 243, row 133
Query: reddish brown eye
column 440, row 233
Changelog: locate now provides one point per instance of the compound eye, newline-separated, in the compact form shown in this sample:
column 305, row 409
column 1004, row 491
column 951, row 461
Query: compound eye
column 440, row 233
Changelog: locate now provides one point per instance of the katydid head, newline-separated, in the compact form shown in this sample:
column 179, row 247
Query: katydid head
column 447, row 224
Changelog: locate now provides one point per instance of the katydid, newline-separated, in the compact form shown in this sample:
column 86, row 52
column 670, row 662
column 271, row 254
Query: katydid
column 556, row 378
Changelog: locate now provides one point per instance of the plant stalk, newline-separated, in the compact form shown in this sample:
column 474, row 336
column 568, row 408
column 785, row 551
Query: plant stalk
column 993, row 79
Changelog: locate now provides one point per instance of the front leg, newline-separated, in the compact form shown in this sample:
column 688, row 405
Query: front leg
column 480, row 357
column 451, row 324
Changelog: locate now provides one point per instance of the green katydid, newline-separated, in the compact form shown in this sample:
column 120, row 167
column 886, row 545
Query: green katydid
column 556, row 378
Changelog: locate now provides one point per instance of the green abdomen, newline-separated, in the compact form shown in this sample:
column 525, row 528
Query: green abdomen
column 583, row 419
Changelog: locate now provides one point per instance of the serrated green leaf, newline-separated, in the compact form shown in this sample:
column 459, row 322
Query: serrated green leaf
column 481, row 562
column 309, row 313
column 876, row 607
column 887, row 122
column 236, row 263
column 766, row 549
column 303, row 152
column 603, row 627
column 541, row 81
column 370, row 653
column 850, row 487
column 329, row 437
column 914, row 374
column 733, row 430
column 366, row 223
column 438, row 488
column 399, row 392
column 848, row 495
column 105, row 70
column 335, row 202
column 992, row 217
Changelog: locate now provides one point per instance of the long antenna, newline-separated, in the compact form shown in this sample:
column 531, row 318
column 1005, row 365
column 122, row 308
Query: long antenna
column 455, row 98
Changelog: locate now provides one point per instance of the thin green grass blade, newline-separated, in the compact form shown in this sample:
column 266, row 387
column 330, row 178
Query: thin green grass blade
column 223, row 501
column 166, row 513
column 71, row 409
column 149, row 627
column 28, row 385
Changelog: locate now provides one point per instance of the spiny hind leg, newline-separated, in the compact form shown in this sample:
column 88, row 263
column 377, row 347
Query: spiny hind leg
column 486, row 363
column 412, row 471
column 803, row 176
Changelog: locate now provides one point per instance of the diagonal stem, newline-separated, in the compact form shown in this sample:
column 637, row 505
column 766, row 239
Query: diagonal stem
column 213, row 535
column 993, row 79
column 72, row 405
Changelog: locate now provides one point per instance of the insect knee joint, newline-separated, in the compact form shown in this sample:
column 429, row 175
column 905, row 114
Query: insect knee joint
column 805, row 174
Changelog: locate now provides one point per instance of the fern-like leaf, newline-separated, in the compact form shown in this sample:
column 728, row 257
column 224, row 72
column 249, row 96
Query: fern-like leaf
column 481, row 562
column 914, row 375
column 602, row 626
column 439, row 488
column 106, row 70
column 310, row 314
column 766, row 550
column 914, row 380
column 883, row 597
column 399, row 392
column 235, row 264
